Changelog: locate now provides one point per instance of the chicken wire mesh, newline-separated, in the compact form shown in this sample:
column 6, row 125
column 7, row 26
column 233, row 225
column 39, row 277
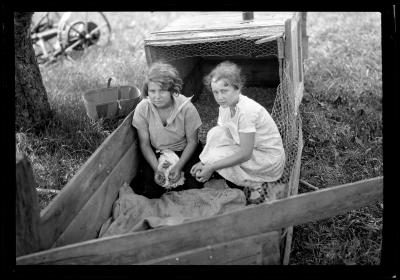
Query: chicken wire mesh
column 242, row 47
column 289, row 125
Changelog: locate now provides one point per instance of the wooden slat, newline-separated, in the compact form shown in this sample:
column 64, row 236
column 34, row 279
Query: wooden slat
column 211, row 36
column 295, row 54
column 222, row 20
column 259, row 249
column 288, row 49
column 98, row 209
column 270, row 253
column 304, row 34
column 149, row 58
column 66, row 205
column 293, row 190
column 26, row 209
column 253, row 220
column 299, row 91
column 292, row 56
column 269, row 39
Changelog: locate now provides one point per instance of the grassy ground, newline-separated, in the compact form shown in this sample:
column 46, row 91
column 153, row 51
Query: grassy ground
column 342, row 127
column 342, row 121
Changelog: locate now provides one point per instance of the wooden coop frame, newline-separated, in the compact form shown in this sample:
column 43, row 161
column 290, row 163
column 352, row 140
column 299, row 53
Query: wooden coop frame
column 66, row 231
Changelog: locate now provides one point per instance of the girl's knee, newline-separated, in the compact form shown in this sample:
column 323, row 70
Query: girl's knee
column 220, row 134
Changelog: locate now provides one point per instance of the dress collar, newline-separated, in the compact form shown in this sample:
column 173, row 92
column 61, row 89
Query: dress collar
column 178, row 103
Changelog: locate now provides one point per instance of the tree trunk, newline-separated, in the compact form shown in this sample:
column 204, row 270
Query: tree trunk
column 32, row 109
column 27, row 209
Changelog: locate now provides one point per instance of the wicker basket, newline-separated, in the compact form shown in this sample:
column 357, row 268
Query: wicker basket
column 111, row 102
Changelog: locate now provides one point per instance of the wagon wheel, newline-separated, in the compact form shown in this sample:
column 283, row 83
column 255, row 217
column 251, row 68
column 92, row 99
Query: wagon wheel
column 42, row 21
column 44, row 35
column 78, row 31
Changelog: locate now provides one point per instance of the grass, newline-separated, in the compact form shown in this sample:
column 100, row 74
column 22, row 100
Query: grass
column 342, row 128
column 341, row 112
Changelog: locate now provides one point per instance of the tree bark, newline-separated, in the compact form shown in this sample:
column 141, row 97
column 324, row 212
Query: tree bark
column 32, row 109
column 27, row 209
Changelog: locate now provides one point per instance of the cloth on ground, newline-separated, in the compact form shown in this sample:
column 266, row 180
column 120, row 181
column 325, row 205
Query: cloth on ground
column 132, row 212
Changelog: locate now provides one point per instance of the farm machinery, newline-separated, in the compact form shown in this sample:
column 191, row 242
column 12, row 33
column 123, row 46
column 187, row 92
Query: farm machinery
column 54, row 34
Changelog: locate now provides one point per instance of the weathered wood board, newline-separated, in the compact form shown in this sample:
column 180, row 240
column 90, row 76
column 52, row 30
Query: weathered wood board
column 261, row 249
column 216, row 26
column 254, row 220
column 293, row 190
column 98, row 209
column 26, row 208
column 63, row 209
column 293, row 57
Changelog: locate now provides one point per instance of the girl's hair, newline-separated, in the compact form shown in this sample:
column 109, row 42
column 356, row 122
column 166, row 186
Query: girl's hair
column 228, row 71
column 165, row 75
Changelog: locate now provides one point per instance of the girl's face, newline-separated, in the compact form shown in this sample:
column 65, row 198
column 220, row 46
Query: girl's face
column 159, row 97
column 225, row 94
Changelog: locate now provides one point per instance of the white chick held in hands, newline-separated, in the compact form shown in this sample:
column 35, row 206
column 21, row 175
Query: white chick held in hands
column 166, row 161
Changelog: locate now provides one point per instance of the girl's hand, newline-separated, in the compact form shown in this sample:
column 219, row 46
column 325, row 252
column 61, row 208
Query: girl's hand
column 166, row 164
column 195, row 168
column 205, row 173
column 174, row 174
column 159, row 178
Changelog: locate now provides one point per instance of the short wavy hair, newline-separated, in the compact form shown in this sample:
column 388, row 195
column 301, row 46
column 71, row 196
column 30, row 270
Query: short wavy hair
column 228, row 71
column 165, row 75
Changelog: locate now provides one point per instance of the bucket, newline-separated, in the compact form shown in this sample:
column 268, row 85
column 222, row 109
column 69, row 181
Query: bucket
column 111, row 102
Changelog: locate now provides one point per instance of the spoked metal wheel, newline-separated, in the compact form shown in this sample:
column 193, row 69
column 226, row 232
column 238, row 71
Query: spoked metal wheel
column 44, row 30
column 80, row 30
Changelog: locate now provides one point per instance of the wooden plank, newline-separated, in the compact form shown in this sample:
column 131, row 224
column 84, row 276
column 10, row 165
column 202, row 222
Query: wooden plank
column 295, row 175
column 300, row 51
column 299, row 91
column 269, row 39
column 148, row 55
column 98, row 209
column 304, row 34
column 292, row 57
column 288, row 50
column 295, row 53
column 281, row 57
column 221, row 20
column 281, row 50
column 212, row 36
column 293, row 190
column 66, row 205
column 248, row 27
column 253, row 220
column 287, row 246
column 270, row 254
column 26, row 209
column 259, row 249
